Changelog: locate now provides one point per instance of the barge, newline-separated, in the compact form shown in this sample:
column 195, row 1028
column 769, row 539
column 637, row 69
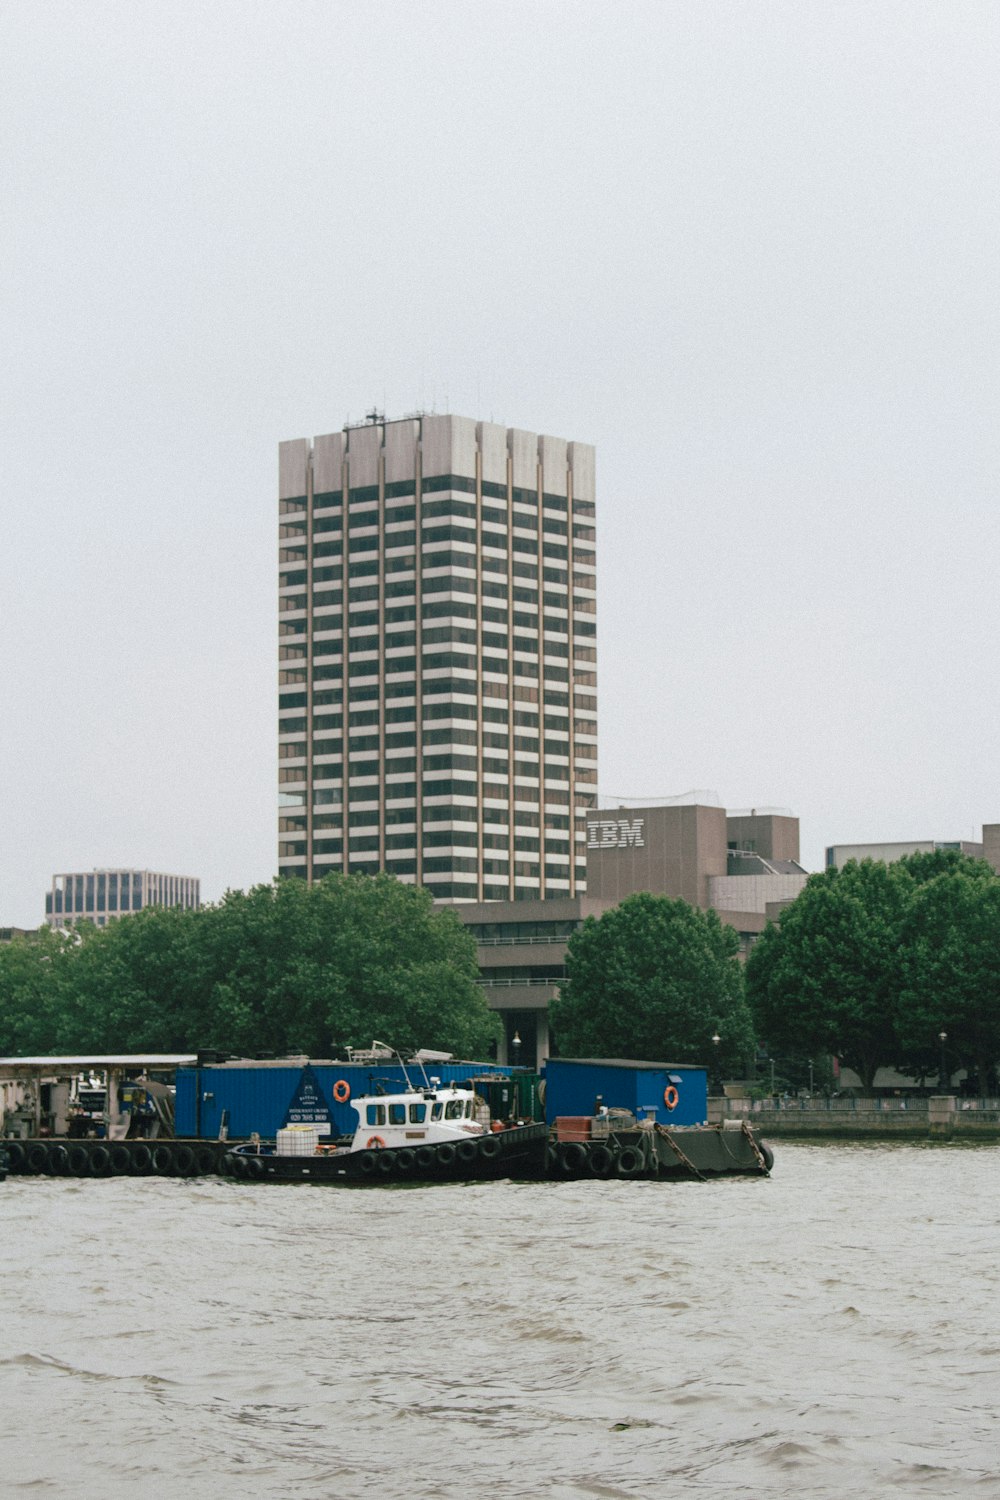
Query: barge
column 432, row 1135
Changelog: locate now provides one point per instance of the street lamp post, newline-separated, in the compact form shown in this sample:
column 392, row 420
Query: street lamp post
column 943, row 1079
column 810, row 1078
column 716, row 1075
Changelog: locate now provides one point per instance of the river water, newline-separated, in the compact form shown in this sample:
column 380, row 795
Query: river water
column 829, row 1332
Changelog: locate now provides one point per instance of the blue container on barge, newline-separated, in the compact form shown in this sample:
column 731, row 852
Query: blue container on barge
column 248, row 1095
column 670, row 1094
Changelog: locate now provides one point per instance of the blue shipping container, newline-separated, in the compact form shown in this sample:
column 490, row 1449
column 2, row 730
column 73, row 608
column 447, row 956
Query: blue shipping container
column 573, row 1086
column 265, row 1096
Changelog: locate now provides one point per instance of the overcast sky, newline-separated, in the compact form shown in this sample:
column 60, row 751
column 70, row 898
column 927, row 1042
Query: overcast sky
column 750, row 251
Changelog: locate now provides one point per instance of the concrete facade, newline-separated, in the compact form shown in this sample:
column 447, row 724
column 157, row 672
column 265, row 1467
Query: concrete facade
column 991, row 844
column 775, row 836
column 437, row 643
column 522, row 960
column 670, row 850
column 100, row 896
column 729, row 894
column 733, row 863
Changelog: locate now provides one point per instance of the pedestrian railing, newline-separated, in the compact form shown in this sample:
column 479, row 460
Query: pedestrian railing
column 984, row 1109
column 513, row 984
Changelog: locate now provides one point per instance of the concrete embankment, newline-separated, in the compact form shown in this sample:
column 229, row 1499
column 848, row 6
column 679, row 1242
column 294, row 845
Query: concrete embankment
column 941, row 1117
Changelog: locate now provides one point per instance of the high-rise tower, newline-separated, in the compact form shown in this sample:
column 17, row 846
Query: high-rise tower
column 438, row 679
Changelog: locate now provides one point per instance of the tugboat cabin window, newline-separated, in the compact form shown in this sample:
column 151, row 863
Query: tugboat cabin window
column 418, row 1114
column 376, row 1114
column 397, row 1114
column 454, row 1110
column 436, row 1110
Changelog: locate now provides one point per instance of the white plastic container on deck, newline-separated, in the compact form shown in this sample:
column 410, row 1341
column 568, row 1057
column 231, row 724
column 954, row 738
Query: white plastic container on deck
column 297, row 1140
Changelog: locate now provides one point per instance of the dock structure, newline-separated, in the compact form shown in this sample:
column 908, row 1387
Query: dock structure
column 43, row 1096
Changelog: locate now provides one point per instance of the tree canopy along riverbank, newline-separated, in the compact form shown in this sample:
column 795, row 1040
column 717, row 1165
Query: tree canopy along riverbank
column 654, row 978
column 280, row 968
column 872, row 962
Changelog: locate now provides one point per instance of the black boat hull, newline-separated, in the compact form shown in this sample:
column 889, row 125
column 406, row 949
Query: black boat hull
column 525, row 1153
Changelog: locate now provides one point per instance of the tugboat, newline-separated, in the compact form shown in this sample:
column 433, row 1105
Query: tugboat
column 424, row 1134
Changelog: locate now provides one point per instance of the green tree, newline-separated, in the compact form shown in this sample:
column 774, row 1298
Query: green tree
column 654, row 978
column 33, row 987
column 350, row 958
column 928, row 866
column 827, row 979
column 951, row 973
column 135, row 985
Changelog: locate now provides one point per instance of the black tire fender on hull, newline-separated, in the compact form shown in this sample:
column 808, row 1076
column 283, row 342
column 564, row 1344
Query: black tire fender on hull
column 629, row 1161
column 183, row 1160
column 572, row 1156
column 100, row 1160
column 162, row 1160
column 600, row 1159
column 79, row 1161
column 36, row 1158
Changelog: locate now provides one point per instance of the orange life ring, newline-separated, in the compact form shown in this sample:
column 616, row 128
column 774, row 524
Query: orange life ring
column 342, row 1091
column 671, row 1097
column 376, row 1141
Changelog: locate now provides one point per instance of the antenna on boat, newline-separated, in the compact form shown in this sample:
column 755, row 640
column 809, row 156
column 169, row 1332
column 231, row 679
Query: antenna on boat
column 399, row 1057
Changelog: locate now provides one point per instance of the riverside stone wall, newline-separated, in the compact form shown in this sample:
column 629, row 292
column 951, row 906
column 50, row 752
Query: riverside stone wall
column 941, row 1117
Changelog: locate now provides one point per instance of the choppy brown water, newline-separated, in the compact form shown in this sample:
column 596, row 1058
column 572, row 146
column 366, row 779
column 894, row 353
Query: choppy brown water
column 829, row 1332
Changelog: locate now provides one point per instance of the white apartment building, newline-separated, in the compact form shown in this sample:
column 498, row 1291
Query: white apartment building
column 437, row 676
column 99, row 896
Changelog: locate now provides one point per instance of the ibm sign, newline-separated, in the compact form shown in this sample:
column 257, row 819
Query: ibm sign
column 616, row 833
